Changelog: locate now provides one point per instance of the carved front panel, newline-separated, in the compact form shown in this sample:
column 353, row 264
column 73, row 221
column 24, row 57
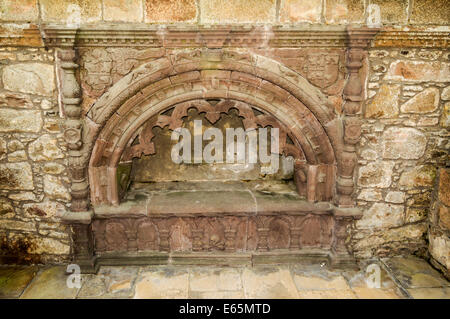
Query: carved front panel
column 227, row 234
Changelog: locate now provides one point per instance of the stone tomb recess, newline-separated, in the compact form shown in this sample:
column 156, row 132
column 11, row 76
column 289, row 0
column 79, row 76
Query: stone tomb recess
column 131, row 205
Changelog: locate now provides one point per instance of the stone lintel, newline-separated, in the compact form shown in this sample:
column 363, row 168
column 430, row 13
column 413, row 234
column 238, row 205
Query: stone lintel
column 179, row 36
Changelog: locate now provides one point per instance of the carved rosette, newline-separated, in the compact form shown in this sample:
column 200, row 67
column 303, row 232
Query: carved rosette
column 358, row 41
column 73, row 129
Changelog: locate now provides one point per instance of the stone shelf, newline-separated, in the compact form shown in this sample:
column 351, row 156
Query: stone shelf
column 192, row 199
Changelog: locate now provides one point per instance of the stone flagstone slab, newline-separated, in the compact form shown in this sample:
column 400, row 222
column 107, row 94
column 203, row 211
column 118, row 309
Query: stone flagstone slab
column 50, row 283
column 271, row 283
column 207, row 280
column 413, row 272
column 14, row 279
column 159, row 283
column 430, row 293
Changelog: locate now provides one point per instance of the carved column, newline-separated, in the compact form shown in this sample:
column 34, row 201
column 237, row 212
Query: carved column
column 197, row 236
column 163, row 225
column 98, row 230
column 82, row 242
column 263, row 244
column 358, row 40
column 295, row 238
column 80, row 217
column 230, row 238
column 164, row 240
column 73, row 130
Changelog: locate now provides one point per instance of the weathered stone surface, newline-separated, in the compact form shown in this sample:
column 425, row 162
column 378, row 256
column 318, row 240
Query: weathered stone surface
column 34, row 78
column 17, row 176
column 385, row 103
column 202, row 280
column 376, row 174
column 52, row 125
column 234, row 11
column 359, row 279
column 22, row 196
column 395, row 197
column 216, row 294
column 414, row 272
column 18, row 156
column 370, row 293
column 268, row 283
column 17, row 225
column 445, row 118
column 20, row 121
column 15, row 145
column 53, row 168
column 50, row 283
column 46, row 209
column 3, row 148
column 422, row 175
column 393, row 240
column 382, row 215
column 420, row 199
column 7, row 56
column 14, row 99
column 418, row 71
column 446, row 93
column 392, row 11
column 170, row 11
column 292, row 11
column 444, row 186
column 430, row 293
column 14, row 279
column 45, row 148
column 344, row 11
column 6, row 209
column 50, row 246
column 110, row 282
column 428, row 121
column 124, row 11
column 311, row 282
column 430, row 12
column 326, row 294
column 405, row 143
column 71, row 12
column 369, row 154
column 440, row 249
column 156, row 284
column 46, row 104
column 415, row 214
column 24, row 10
column 371, row 195
column 424, row 102
column 13, row 34
column 54, row 188
column 444, row 217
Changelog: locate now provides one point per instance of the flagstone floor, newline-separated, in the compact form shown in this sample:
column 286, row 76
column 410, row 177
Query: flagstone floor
column 400, row 278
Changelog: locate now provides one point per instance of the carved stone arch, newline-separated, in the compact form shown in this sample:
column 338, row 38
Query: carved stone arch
column 198, row 74
column 97, row 139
